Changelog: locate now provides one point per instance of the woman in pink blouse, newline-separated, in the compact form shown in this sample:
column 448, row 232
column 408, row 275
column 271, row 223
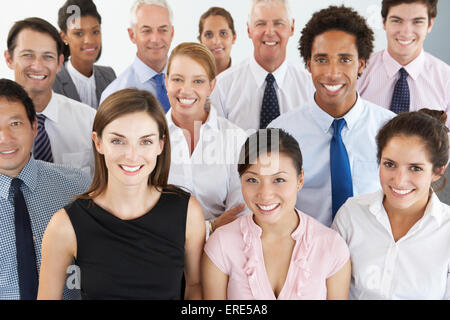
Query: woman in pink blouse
column 277, row 252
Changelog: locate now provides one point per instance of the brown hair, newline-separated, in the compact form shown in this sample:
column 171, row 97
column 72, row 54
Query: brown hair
column 118, row 104
column 266, row 141
column 197, row 52
column 427, row 124
column 430, row 4
column 216, row 11
column 35, row 24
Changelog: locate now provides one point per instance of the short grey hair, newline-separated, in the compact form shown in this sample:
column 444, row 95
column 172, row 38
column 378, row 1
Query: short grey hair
column 285, row 3
column 139, row 3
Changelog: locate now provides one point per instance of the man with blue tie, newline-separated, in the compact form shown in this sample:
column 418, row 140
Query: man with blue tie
column 152, row 32
column 31, row 191
column 336, row 130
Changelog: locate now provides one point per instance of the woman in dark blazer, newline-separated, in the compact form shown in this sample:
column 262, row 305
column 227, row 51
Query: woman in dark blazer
column 79, row 78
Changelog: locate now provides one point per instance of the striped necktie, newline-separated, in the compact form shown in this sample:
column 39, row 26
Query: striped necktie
column 42, row 149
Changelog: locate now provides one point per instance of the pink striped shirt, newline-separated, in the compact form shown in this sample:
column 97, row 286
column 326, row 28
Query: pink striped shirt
column 428, row 81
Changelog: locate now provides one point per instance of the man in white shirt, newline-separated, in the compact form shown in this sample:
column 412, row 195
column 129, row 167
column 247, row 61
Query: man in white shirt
column 336, row 129
column 240, row 90
column 64, row 125
column 152, row 32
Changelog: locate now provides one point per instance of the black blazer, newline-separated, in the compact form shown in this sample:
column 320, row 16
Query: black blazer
column 64, row 85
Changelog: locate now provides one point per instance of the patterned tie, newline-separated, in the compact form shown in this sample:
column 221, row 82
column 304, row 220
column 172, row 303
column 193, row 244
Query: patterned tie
column 400, row 98
column 341, row 175
column 270, row 109
column 26, row 256
column 161, row 91
column 42, row 149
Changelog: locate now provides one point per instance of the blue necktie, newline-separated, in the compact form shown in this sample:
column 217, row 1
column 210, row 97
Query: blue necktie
column 42, row 149
column 26, row 256
column 270, row 109
column 341, row 175
column 400, row 98
column 161, row 91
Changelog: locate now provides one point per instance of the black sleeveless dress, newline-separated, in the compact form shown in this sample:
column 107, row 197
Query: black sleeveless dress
column 141, row 258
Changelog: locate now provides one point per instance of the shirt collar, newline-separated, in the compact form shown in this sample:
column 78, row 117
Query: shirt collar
column 325, row 121
column 434, row 207
column 414, row 68
column 260, row 74
column 28, row 175
column 77, row 73
column 212, row 120
column 51, row 111
column 296, row 235
column 143, row 71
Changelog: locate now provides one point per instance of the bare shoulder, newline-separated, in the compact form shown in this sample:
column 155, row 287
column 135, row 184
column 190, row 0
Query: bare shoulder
column 60, row 227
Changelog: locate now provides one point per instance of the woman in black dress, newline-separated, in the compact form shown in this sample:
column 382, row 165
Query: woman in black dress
column 131, row 234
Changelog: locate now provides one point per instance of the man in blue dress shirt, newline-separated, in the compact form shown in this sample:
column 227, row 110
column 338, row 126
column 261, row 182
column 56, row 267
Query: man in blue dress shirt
column 151, row 31
column 46, row 188
column 336, row 130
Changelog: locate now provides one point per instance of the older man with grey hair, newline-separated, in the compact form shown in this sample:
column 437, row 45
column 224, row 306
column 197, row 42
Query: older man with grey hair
column 151, row 30
column 257, row 90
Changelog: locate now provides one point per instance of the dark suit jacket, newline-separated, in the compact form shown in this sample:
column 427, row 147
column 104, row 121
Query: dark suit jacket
column 64, row 85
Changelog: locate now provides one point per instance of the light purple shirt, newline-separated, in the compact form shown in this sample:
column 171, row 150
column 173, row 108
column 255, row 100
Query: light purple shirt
column 428, row 81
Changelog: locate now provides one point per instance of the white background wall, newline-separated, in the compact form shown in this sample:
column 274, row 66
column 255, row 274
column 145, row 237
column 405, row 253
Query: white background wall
column 118, row 51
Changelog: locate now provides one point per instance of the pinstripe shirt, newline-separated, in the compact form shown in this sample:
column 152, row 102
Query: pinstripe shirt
column 46, row 188
column 428, row 81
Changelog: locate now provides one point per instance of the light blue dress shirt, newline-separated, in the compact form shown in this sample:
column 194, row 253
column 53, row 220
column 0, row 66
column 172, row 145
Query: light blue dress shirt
column 138, row 76
column 312, row 128
column 47, row 188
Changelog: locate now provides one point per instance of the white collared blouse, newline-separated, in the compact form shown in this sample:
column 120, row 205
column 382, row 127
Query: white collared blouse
column 417, row 266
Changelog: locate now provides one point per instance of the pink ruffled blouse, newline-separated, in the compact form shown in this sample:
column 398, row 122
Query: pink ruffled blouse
column 236, row 250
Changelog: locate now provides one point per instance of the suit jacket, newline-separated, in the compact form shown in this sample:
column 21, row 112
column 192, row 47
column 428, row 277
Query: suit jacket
column 64, row 85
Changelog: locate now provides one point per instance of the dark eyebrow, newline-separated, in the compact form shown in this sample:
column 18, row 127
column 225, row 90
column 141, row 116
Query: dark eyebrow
column 257, row 174
column 143, row 137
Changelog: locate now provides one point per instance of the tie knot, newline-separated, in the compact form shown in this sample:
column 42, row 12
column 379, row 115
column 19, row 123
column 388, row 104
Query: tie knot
column 15, row 185
column 159, row 78
column 270, row 79
column 403, row 73
column 338, row 124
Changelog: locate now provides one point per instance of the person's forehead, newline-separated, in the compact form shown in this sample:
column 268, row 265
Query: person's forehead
column 152, row 15
column 269, row 11
column 11, row 108
column 416, row 9
column 29, row 39
column 342, row 41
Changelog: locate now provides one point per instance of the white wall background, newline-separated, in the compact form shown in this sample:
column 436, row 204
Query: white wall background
column 118, row 51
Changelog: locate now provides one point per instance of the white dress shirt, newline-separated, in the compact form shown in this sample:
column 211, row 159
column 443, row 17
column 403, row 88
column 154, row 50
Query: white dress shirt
column 312, row 128
column 69, row 128
column 210, row 173
column 239, row 91
column 417, row 266
column 85, row 85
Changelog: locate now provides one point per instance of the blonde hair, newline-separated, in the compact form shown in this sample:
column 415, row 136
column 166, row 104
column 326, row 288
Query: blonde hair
column 197, row 52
